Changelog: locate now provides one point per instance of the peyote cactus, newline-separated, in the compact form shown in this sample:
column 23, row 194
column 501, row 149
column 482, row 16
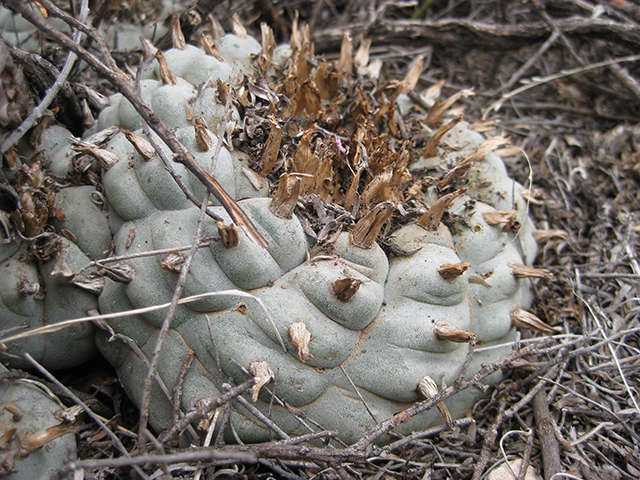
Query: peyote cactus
column 339, row 322
column 29, row 420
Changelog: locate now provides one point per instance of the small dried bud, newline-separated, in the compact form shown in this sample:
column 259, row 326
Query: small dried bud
column 300, row 337
column 39, row 439
column 432, row 218
column 450, row 271
column 120, row 272
column 523, row 319
column 172, row 262
column 478, row 279
column 284, row 201
column 428, row 388
column 446, row 331
column 508, row 217
column 61, row 270
column 228, row 235
column 105, row 158
column 27, row 289
column 542, row 236
column 141, row 144
column 522, row 271
column 91, row 283
column 166, row 75
column 177, row 37
column 368, row 228
column 237, row 27
column 345, row 288
column 263, row 374
column 209, row 45
column 203, row 139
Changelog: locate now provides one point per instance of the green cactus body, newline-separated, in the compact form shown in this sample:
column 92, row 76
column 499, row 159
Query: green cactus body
column 366, row 320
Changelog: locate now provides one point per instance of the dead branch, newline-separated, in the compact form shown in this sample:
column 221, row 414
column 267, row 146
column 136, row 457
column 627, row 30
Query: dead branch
column 457, row 32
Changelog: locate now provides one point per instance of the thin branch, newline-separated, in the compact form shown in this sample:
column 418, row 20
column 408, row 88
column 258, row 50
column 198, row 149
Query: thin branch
column 125, row 85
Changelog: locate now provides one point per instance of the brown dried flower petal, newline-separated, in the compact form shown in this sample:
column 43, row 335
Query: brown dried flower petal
column 542, row 236
column 209, row 45
column 284, row 201
column 172, row 262
column 413, row 75
column 508, row 217
column 478, row 279
column 177, row 37
column 437, row 111
column 272, row 147
column 228, row 235
column 430, row 149
column 105, row 158
column 120, row 272
column 300, row 337
column 345, row 288
column 428, row 388
column 522, row 271
column 521, row 318
column 204, row 142
column 450, row 271
column 237, row 27
column 141, row 144
column 166, row 75
column 263, row 375
column 91, row 283
column 345, row 63
column 39, row 439
column 446, row 331
column 368, row 228
column 432, row 218
column 61, row 270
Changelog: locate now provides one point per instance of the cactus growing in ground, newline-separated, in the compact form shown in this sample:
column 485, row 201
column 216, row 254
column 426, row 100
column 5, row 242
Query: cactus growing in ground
column 349, row 334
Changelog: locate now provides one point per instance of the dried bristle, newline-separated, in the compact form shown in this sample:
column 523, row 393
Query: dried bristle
column 434, row 141
column 450, row 271
column 451, row 333
column 366, row 231
column 228, row 235
column 345, row 63
column 301, row 338
column 265, row 59
column 437, row 111
column 177, row 37
column 142, row 145
column 272, row 147
column 166, row 75
column 345, row 288
column 262, row 374
column 204, row 142
column 522, row 271
column 284, row 201
column 432, row 218
column 209, row 45
column 521, row 318
column 237, row 27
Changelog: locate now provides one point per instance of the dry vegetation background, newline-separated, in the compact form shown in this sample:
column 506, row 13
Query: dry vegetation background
column 565, row 76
